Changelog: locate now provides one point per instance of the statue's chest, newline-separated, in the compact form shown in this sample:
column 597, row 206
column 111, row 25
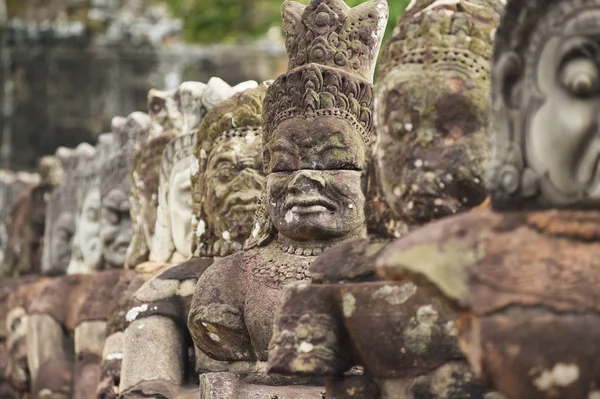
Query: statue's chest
column 268, row 276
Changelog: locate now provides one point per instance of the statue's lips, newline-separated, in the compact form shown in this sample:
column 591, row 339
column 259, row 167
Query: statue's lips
column 309, row 204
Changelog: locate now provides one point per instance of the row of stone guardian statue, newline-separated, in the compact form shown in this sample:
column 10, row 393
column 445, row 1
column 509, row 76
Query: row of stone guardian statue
column 434, row 235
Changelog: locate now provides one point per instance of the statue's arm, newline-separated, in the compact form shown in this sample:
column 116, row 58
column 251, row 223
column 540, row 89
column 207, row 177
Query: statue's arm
column 216, row 319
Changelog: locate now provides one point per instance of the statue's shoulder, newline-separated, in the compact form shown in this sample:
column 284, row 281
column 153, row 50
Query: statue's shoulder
column 352, row 260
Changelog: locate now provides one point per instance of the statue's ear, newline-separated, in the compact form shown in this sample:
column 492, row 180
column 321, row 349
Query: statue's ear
column 507, row 73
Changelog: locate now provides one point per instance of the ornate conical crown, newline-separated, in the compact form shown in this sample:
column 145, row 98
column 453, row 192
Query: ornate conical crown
column 328, row 32
column 332, row 50
column 177, row 149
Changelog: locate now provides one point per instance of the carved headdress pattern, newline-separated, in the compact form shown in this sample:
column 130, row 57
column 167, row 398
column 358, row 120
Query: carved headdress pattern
column 457, row 33
column 518, row 42
column 332, row 52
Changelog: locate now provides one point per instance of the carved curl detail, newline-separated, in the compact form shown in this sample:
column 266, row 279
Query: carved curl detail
column 330, row 33
column 317, row 90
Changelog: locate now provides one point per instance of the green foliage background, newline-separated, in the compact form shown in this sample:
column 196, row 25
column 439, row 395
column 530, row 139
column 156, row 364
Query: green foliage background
column 234, row 21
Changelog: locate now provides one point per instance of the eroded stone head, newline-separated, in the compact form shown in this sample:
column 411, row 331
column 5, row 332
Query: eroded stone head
column 115, row 219
column 545, row 84
column 172, row 241
column 164, row 112
column 432, row 106
column 318, row 122
column 61, row 213
column 229, row 176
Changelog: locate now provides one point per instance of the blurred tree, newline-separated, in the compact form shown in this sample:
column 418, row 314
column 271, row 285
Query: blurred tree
column 214, row 21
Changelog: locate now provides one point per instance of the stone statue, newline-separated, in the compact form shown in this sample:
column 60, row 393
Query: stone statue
column 318, row 123
column 163, row 302
column 144, row 198
column 172, row 242
column 67, row 320
column 523, row 274
column 147, row 192
column 28, row 218
column 428, row 161
column 87, row 255
column 144, row 182
column 115, row 221
column 14, row 190
column 61, row 213
column 165, row 124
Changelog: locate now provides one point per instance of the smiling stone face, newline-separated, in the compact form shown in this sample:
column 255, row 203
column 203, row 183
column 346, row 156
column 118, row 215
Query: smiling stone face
column 315, row 205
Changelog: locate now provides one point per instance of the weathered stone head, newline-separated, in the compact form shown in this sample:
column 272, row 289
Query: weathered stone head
column 115, row 220
column 432, row 110
column 14, row 189
column 60, row 217
column 164, row 112
column 172, row 241
column 28, row 219
column 230, row 173
column 87, row 254
column 545, row 81
column 319, row 121
column 145, row 196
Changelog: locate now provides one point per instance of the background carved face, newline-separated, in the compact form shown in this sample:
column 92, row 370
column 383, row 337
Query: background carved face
column 88, row 228
column 61, row 241
column 315, row 204
column 180, row 206
column 562, row 137
column 115, row 227
column 432, row 142
column 234, row 182
column 17, row 371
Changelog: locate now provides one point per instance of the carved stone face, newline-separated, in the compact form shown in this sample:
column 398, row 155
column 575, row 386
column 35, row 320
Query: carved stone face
column 193, row 112
column 314, row 189
column 17, row 372
column 180, row 206
column 234, row 183
column 315, row 204
column 562, row 136
column 61, row 240
column 432, row 140
column 115, row 227
column 88, row 229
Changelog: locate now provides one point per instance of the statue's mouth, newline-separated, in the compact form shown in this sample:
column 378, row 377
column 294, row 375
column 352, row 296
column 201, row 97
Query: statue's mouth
column 309, row 204
column 241, row 202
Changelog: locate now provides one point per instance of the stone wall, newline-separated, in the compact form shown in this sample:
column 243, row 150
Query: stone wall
column 68, row 70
